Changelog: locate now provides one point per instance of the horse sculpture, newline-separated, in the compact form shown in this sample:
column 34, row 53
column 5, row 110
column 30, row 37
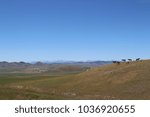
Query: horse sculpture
column 124, row 60
column 137, row 59
column 117, row 62
column 129, row 59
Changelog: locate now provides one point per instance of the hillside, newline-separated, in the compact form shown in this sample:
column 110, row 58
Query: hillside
column 54, row 67
column 123, row 81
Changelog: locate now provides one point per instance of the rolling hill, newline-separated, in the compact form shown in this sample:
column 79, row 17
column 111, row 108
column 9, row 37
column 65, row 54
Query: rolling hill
column 54, row 67
column 113, row 81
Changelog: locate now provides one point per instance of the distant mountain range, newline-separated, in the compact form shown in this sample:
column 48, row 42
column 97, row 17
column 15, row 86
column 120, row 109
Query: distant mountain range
column 88, row 63
column 39, row 67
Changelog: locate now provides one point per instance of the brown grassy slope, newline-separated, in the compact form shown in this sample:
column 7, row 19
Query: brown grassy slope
column 124, row 81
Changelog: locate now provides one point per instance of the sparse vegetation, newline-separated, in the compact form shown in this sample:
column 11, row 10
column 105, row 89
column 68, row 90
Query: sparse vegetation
column 124, row 81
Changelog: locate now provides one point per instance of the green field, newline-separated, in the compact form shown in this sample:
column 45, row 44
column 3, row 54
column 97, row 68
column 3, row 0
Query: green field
column 123, row 81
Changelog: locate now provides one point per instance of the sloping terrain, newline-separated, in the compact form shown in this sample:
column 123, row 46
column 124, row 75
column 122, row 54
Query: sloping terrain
column 54, row 67
column 114, row 81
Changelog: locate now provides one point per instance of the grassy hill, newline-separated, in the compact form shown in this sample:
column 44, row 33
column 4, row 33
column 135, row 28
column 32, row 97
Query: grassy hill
column 123, row 81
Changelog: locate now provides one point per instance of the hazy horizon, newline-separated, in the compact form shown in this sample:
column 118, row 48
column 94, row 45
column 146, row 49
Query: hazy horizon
column 76, row 30
column 58, row 61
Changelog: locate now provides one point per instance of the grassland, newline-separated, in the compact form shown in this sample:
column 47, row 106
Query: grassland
column 124, row 81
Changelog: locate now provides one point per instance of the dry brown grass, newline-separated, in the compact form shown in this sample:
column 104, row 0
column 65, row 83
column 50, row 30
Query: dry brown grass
column 124, row 81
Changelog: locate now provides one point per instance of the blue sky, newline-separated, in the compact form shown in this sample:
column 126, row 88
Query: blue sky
column 49, row 30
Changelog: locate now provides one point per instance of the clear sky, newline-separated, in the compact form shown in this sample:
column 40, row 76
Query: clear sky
column 41, row 30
